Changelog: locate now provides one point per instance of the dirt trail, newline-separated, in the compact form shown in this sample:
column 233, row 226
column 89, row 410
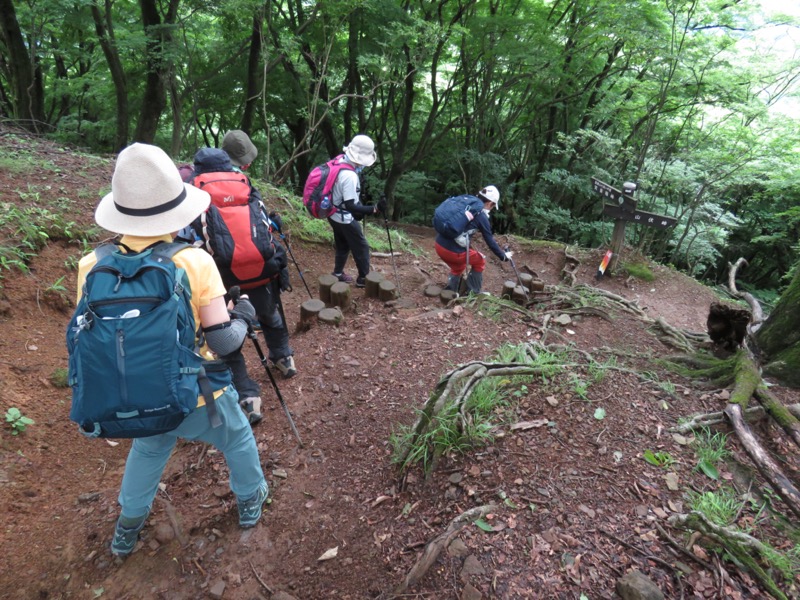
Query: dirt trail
column 563, row 491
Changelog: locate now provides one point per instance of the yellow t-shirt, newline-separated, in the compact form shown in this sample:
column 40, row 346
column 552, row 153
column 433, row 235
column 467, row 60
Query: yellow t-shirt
column 204, row 278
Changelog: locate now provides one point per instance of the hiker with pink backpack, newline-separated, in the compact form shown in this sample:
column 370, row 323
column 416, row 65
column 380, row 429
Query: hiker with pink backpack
column 332, row 191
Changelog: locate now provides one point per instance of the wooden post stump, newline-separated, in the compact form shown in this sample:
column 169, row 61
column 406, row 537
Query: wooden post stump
column 326, row 282
column 508, row 289
column 519, row 296
column 371, row 283
column 331, row 316
column 340, row 295
column 447, row 296
column 309, row 310
column 387, row 290
column 537, row 285
column 433, row 291
column 525, row 280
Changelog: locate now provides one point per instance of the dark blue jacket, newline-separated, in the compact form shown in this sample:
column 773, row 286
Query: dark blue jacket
column 479, row 223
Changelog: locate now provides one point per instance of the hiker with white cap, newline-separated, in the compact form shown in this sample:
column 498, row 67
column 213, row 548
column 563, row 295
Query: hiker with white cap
column 348, row 237
column 456, row 220
column 148, row 204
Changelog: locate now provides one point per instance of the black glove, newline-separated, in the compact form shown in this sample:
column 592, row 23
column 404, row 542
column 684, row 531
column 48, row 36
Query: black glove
column 285, row 283
column 244, row 310
column 277, row 222
column 382, row 204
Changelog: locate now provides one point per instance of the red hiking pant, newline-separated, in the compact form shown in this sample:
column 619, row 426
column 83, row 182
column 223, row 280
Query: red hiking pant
column 457, row 260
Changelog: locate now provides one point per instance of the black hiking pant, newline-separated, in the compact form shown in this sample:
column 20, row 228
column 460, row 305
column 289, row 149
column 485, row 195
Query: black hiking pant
column 349, row 238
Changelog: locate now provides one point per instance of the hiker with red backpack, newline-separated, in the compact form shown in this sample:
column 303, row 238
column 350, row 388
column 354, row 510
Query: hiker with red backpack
column 126, row 303
column 348, row 237
column 236, row 230
column 455, row 221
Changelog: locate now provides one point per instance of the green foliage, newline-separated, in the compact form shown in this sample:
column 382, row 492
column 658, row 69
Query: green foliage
column 721, row 506
column 639, row 270
column 658, row 459
column 710, row 450
column 17, row 421
column 60, row 377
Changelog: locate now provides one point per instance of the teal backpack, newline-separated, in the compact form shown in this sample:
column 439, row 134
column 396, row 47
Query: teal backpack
column 133, row 365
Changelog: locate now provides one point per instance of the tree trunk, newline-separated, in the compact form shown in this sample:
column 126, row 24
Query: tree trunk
column 105, row 34
column 27, row 89
column 157, row 31
column 254, row 74
column 778, row 339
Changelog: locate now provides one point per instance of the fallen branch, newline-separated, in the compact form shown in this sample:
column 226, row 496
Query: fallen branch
column 434, row 547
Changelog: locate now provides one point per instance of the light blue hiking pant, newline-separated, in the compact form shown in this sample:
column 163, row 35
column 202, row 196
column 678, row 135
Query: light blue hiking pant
column 149, row 455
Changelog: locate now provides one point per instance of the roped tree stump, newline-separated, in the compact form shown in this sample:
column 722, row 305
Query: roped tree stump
column 387, row 290
column 371, row 284
column 340, row 295
column 309, row 310
column 330, row 316
column 326, row 282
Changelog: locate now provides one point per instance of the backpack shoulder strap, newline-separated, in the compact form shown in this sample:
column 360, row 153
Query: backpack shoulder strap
column 105, row 250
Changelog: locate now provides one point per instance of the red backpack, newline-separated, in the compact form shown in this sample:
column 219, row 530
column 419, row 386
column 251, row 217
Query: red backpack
column 317, row 190
column 236, row 231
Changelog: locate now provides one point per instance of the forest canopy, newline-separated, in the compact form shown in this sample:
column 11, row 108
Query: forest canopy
column 535, row 96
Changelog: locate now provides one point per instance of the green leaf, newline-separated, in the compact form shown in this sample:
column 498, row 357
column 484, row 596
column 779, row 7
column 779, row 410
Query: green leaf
column 709, row 469
column 484, row 525
column 600, row 414
column 651, row 458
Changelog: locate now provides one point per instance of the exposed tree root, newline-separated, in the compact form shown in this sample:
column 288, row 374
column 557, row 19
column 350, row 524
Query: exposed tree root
column 763, row 461
column 745, row 549
column 751, row 415
column 434, row 547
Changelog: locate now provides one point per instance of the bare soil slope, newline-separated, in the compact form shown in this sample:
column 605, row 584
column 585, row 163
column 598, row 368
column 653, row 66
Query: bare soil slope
column 577, row 506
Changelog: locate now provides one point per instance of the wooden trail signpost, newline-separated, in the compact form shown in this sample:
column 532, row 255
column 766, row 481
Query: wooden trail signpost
column 622, row 207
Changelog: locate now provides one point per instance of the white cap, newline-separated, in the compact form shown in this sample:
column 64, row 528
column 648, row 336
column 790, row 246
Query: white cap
column 490, row 194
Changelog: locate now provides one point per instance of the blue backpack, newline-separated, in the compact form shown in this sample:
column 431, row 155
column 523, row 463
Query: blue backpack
column 451, row 217
column 133, row 367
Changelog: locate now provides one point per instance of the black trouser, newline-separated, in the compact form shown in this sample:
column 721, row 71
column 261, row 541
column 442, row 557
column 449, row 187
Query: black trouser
column 276, row 334
column 349, row 238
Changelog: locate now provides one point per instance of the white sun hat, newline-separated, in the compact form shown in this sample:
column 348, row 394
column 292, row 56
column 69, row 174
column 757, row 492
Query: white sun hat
column 148, row 197
column 361, row 151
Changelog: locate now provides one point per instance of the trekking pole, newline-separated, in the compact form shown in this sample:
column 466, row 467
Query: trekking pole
column 389, row 235
column 466, row 267
column 235, row 292
column 519, row 279
column 278, row 225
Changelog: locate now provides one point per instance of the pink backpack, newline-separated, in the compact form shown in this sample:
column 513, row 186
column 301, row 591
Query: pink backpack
column 317, row 190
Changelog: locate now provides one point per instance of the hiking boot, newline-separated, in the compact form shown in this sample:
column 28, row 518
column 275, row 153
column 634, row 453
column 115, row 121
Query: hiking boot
column 252, row 408
column 475, row 282
column 453, row 283
column 343, row 277
column 126, row 534
column 250, row 509
column 286, row 366
column 360, row 282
